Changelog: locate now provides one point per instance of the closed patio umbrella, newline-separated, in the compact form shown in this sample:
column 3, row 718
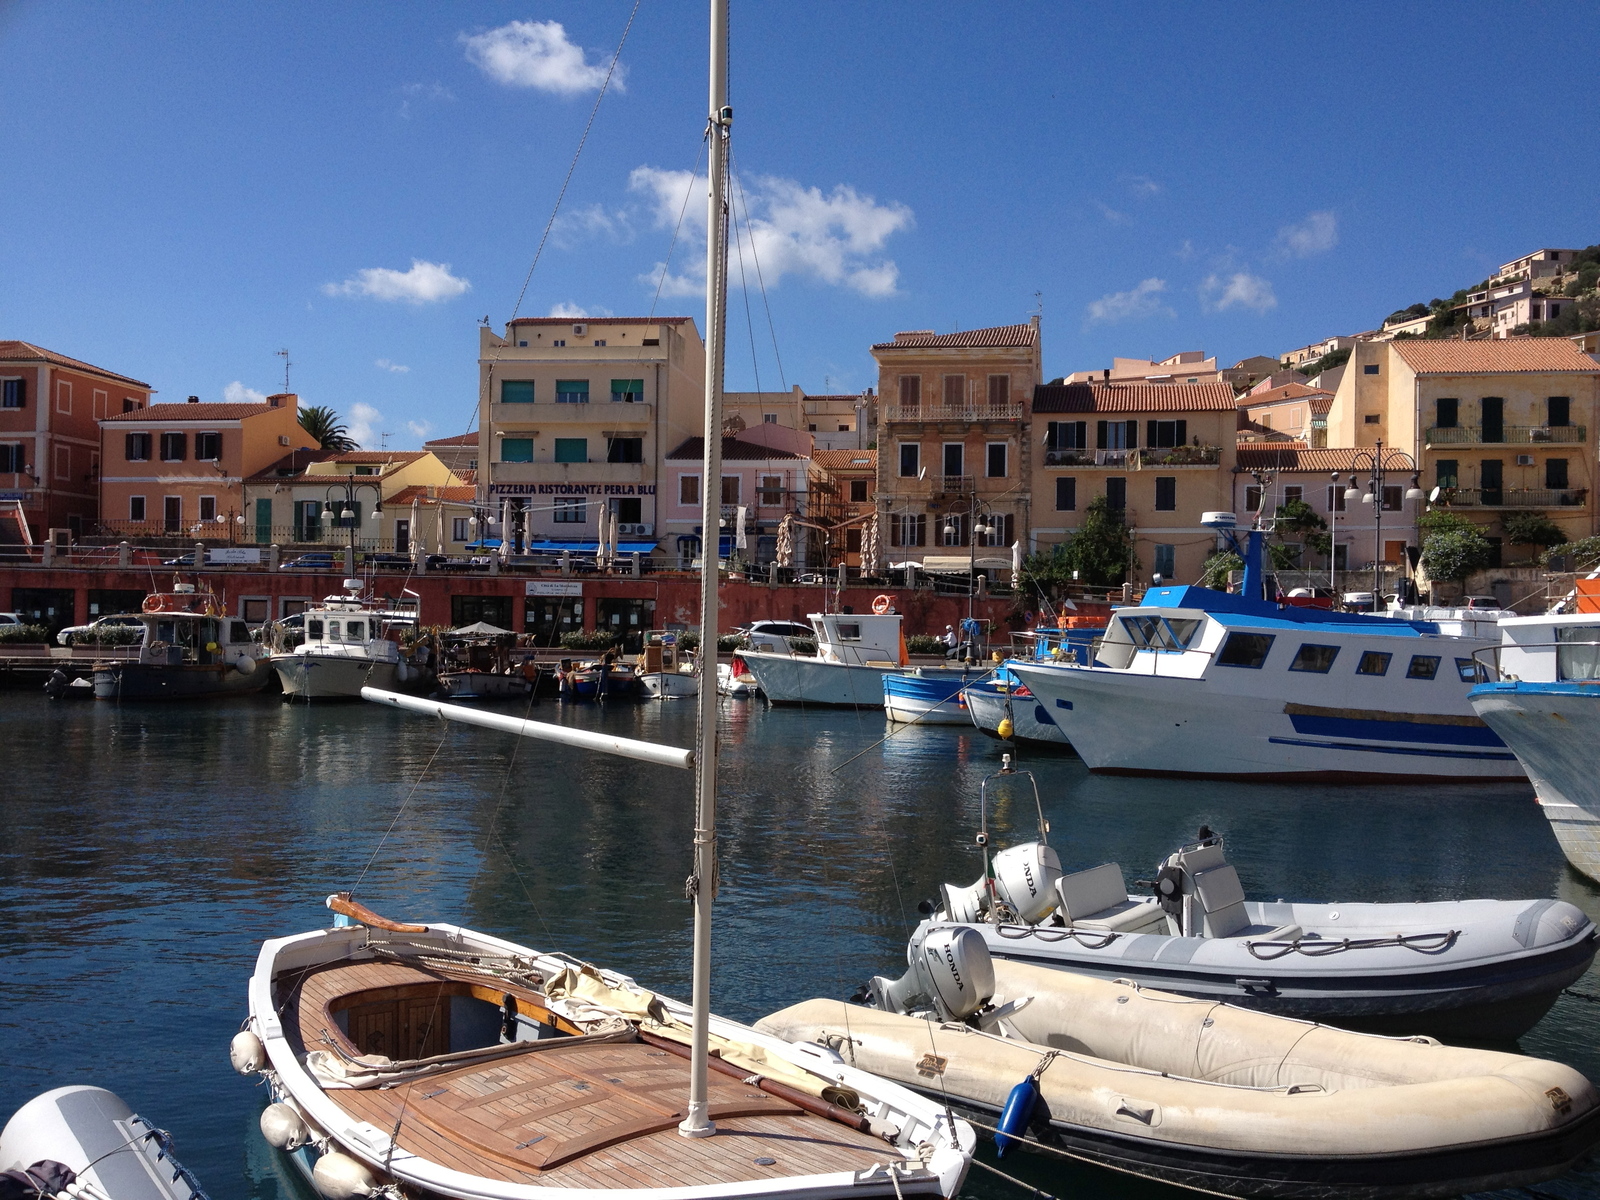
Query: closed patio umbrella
column 871, row 548
column 505, row 530
column 786, row 541
column 414, row 537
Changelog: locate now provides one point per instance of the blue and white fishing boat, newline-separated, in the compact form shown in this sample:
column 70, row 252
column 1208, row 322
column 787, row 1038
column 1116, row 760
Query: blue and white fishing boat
column 1200, row 683
column 1543, row 700
column 854, row 651
column 927, row 696
column 1005, row 708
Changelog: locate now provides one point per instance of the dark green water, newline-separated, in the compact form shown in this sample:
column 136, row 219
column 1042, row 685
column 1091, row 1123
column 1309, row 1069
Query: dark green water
column 146, row 851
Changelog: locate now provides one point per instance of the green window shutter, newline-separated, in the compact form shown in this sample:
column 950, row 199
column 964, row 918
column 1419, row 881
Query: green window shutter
column 1100, row 435
column 572, row 450
column 627, row 391
column 1183, row 433
column 516, row 391
column 1150, row 433
column 572, row 391
column 1133, row 435
column 516, row 450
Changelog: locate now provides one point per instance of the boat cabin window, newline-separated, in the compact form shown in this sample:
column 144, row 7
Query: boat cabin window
column 238, row 631
column 166, row 631
column 355, row 631
column 1578, row 652
column 313, row 629
column 1471, row 671
column 1373, row 662
column 1318, row 659
column 333, row 631
column 850, row 632
column 1160, row 633
column 1423, row 666
column 1245, row 650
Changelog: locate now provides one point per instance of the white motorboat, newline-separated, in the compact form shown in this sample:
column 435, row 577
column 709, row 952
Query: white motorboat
column 190, row 649
column 346, row 647
column 84, row 1143
column 735, row 681
column 452, row 1063
column 1484, row 970
column 438, row 1061
column 664, row 675
column 1541, row 700
column 1200, row 1094
column 854, row 650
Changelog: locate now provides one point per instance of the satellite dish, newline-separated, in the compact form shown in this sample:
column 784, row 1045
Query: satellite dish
column 1434, row 495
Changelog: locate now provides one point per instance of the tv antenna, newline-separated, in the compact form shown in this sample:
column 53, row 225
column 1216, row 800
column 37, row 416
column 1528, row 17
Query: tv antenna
column 284, row 354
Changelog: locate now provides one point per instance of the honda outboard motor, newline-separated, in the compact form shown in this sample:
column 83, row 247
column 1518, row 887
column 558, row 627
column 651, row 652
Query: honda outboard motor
column 1024, row 881
column 951, row 973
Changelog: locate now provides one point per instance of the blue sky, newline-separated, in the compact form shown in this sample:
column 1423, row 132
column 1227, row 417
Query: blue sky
column 192, row 187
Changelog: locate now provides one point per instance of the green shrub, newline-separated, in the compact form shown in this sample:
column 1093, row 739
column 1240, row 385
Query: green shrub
column 925, row 643
column 688, row 642
column 1582, row 555
column 1455, row 551
column 110, row 635
column 1531, row 529
column 24, row 633
column 600, row 639
column 801, row 645
column 1217, row 568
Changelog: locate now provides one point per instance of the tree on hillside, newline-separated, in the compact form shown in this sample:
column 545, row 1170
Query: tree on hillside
column 1452, row 546
column 322, row 423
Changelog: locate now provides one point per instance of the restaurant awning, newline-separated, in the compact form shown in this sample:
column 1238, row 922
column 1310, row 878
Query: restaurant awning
column 959, row 564
column 586, row 547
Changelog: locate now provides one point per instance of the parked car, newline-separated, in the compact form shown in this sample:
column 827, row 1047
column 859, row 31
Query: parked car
column 317, row 560
column 183, row 560
column 11, row 619
column 773, row 636
column 85, row 633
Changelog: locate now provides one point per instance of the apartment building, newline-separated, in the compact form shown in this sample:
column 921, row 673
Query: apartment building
column 1498, row 427
column 179, row 469
column 835, row 421
column 1503, row 306
column 1292, row 412
column 1187, row 366
column 764, row 472
column 578, row 415
column 842, row 486
column 1538, row 265
column 1160, row 453
column 320, row 496
column 953, row 438
column 459, row 453
column 50, row 409
column 1309, row 354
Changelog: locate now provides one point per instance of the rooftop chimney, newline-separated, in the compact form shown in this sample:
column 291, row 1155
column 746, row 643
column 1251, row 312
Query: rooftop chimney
column 1107, row 376
column 194, row 399
column 1034, row 320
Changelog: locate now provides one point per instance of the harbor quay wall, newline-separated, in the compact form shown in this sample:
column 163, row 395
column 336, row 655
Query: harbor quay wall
column 74, row 595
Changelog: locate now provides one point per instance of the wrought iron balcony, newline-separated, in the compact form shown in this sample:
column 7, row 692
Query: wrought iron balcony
column 1513, row 497
column 954, row 412
column 1509, row 435
column 1180, row 456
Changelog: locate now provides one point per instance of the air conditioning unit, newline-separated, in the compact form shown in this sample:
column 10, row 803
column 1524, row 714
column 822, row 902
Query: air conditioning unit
column 1524, row 460
column 636, row 528
column 580, row 330
column 283, row 439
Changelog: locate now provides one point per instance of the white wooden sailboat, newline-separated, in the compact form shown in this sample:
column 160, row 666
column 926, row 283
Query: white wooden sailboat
column 432, row 1059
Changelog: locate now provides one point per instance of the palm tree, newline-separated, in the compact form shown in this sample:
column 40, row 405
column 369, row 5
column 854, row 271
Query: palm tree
column 323, row 424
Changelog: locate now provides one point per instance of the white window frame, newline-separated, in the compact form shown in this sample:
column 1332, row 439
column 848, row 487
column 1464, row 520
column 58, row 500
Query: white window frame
column 900, row 459
column 64, row 397
column 200, row 511
column 682, row 503
column 63, row 462
column 570, row 510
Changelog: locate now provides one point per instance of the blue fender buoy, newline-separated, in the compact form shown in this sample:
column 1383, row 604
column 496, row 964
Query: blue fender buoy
column 1015, row 1116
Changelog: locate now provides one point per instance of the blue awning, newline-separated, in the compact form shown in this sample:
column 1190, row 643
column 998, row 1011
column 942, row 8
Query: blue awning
column 485, row 544
column 587, row 547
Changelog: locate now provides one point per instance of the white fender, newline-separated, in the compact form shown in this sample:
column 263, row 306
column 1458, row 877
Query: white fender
column 246, row 1053
column 282, row 1127
column 244, row 664
column 340, row 1177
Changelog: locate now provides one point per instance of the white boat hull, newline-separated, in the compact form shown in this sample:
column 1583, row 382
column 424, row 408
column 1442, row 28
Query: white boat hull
column 1121, row 722
column 95, row 1134
column 482, row 685
column 670, row 685
column 1554, row 730
column 331, row 677
column 790, row 679
column 1030, row 718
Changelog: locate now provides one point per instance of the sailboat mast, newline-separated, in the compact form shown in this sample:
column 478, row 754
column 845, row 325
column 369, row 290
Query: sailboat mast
column 703, row 881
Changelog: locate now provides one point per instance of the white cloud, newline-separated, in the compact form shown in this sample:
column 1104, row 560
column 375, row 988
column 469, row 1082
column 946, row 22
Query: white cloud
column 1112, row 215
column 424, row 283
column 237, row 393
column 536, row 54
column 1142, row 185
column 572, row 310
column 419, row 429
column 1317, row 234
column 1142, row 300
column 423, row 93
column 363, row 424
column 383, row 364
column 571, row 227
column 835, row 238
column 1239, row 290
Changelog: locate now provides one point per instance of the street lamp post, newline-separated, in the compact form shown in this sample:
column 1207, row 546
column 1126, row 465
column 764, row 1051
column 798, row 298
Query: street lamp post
column 350, row 510
column 1377, row 472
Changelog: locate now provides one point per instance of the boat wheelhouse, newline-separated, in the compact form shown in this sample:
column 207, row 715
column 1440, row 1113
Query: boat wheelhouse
column 189, row 648
column 347, row 646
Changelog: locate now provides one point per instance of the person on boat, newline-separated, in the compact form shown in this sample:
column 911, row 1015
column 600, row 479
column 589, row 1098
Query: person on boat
column 950, row 641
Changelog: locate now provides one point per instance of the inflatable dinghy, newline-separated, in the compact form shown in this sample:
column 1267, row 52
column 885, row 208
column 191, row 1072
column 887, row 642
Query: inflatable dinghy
column 84, row 1142
column 1465, row 970
column 1204, row 1094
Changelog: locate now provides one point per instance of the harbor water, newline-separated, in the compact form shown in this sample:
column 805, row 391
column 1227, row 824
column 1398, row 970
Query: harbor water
column 147, row 850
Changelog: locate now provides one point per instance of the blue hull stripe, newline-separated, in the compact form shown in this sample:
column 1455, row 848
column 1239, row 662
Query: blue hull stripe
column 1395, row 731
column 1413, row 750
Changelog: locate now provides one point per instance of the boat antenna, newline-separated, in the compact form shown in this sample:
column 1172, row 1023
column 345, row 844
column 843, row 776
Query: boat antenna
column 701, row 885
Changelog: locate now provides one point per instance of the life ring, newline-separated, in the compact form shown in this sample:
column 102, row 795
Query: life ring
column 883, row 604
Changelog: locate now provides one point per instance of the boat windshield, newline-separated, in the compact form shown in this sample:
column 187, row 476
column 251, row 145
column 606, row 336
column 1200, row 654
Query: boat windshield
column 354, row 631
column 1161, row 633
column 1578, row 652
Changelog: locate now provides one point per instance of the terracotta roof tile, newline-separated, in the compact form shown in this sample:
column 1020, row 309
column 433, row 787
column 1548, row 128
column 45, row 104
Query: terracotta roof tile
column 603, row 321
column 191, row 412
column 1505, row 356
column 419, row 492
column 844, row 460
column 1294, row 456
column 13, row 351
column 997, row 336
column 1288, row 391
column 1100, row 397
column 733, row 450
column 379, row 456
column 291, row 465
column 460, row 439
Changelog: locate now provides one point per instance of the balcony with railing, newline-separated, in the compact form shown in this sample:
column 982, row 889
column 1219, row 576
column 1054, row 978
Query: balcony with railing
column 1512, row 497
column 1178, row 456
column 1506, row 435
column 954, row 412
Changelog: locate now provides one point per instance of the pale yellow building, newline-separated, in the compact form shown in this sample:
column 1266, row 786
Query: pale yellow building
column 1498, row 427
column 577, row 415
column 358, row 489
